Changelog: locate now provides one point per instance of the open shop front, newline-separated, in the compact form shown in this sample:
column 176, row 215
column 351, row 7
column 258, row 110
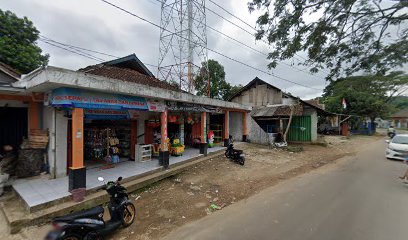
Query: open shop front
column 183, row 133
column 108, row 137
column 102, row 130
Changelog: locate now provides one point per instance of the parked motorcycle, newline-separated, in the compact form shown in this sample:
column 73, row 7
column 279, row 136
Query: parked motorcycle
column 391, row 134
column 235, row 155
column 90, row 224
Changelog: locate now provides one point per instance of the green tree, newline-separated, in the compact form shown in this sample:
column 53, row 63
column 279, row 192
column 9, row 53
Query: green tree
column 234, row 89
column 346, row 37
column 18, row 47
column 219, row 88
column 367, row 96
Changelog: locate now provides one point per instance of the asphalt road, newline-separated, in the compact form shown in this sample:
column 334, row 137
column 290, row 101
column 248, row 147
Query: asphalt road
column 357, row 198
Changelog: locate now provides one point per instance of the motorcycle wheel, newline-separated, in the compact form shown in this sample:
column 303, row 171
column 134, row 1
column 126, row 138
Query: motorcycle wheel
column 226, row 155
column 242, row 161
column 129, row 215
column 72, row 237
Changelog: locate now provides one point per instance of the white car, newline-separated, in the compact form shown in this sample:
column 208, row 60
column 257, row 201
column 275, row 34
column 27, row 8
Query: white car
column 397, row 147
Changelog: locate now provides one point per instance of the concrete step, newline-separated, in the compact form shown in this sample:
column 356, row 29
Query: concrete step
column 17, row 216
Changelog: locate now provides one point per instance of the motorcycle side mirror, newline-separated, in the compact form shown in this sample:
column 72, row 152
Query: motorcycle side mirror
column 119, row 179
column 100, row 179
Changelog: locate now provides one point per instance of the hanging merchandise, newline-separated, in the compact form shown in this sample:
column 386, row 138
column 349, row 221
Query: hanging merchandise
column 172, row 119
column 94, row 144
column 102, row 143
column 190, row 120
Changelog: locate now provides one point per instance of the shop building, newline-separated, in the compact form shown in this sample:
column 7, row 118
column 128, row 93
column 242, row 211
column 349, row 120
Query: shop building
column 116, row 112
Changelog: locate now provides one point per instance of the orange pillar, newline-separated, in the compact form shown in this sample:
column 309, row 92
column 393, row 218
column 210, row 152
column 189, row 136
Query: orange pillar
column 164, row 155
column 77, row 173
column 203, row 143
column 33, row 115
column 245, row 127
column 226, row 128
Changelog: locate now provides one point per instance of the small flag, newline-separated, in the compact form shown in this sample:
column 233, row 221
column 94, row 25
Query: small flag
column 344, row 103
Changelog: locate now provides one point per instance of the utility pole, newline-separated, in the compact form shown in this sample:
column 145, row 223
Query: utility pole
column 183, row 42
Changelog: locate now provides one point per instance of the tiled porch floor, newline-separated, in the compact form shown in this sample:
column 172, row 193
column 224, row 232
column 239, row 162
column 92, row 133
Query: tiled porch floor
column 40, row 191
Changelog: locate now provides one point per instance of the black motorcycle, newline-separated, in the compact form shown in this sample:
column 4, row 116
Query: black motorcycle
column 391, row 134
column 235, row 155
column 89, row 224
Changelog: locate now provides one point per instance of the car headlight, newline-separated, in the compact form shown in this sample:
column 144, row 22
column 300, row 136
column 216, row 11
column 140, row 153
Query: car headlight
column 391, row 148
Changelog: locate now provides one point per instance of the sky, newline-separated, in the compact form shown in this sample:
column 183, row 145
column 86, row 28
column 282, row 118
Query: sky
column 95, row 25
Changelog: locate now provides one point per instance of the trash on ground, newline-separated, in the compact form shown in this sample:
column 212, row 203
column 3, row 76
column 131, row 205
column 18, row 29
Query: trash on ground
column 215, row 207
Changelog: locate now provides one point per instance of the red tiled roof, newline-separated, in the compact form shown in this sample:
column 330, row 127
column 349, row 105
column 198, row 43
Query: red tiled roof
column 128, row 75
column 401, row 114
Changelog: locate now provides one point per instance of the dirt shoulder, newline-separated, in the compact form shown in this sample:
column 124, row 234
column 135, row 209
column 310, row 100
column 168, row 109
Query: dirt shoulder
column 188, row 196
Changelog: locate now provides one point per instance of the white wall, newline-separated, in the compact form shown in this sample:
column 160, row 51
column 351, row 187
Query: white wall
column 308, row 111
column 56, row 124
column 61, row 144
column 236, row 129
column 141, row 126
column 314, row 126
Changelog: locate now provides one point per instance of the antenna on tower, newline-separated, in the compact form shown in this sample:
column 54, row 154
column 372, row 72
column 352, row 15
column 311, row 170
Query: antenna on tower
column 183, row 42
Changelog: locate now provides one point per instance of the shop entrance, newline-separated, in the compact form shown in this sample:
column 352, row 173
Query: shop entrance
column 192, row 131
column 13, row 126
column 217, row 126
column 106, row 141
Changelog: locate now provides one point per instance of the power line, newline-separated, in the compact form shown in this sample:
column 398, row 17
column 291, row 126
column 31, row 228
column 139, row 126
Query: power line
column 262, row 53
column 80, row 48
column 246, row 45
column 252, row 34
column 72, row 51
column 216, row 4
column 230, row 58
column 68, row 47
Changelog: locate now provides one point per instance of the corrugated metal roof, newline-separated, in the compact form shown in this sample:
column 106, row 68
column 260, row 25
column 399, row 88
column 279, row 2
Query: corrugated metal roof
column 9, row 71
column 276, row 110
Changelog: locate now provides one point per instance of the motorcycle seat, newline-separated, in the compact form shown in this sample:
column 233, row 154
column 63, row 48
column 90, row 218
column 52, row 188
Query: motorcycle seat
column 93, row 212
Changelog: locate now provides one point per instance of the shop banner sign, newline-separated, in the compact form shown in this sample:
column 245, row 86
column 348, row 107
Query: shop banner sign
column 106, row 114
column 70, row 97
column 190, row 107
column 156, row 105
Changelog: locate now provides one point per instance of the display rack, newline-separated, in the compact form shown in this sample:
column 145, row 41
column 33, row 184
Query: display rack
column 217, row 129
column 144, row 152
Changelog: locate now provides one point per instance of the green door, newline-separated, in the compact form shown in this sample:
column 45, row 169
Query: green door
column 300, row 129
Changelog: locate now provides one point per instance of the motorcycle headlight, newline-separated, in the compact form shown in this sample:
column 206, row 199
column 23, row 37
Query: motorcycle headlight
column 242, row 155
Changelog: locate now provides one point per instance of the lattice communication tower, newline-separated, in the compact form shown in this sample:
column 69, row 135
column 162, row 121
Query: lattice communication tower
column 183, row 42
